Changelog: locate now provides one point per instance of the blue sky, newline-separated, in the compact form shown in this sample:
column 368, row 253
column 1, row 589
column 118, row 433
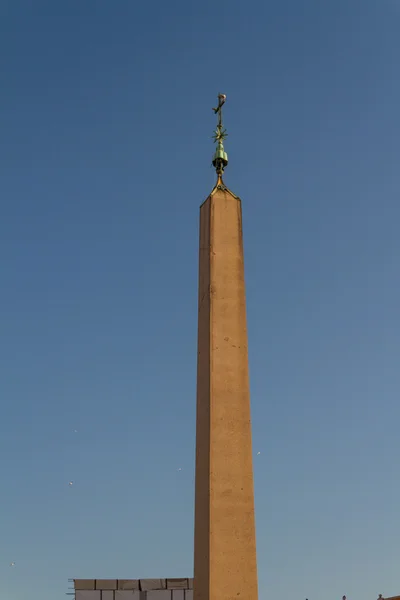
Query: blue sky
column 105, row 152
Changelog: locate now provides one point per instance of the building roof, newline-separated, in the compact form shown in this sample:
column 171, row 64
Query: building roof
column 134, row 584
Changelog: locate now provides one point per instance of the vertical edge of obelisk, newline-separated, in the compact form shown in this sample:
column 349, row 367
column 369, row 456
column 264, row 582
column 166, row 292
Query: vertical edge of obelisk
column 202, row 488
column 254, row 574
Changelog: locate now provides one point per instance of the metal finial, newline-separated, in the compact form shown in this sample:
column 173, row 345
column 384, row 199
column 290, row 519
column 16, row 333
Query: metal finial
column 220, row 159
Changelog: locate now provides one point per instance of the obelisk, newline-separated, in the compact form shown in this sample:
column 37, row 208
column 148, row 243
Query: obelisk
column 225, row 565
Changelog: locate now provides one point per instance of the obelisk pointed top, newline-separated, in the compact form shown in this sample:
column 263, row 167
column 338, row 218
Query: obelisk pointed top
column 220, row 159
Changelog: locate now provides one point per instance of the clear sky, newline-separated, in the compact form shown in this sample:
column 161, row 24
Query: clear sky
column 105, row 153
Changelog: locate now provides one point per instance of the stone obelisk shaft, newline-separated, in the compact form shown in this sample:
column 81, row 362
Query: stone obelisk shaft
column 225, row 565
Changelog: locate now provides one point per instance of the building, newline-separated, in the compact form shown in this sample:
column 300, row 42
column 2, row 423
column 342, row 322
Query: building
column 133, row 589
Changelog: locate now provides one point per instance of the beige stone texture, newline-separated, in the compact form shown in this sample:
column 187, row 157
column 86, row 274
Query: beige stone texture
column 128, row 584
column 106, row 584
column 126, row 595
column 87, row 595
column 153, row 584
column 177, row 584
column 84, row 584
column 225, row 566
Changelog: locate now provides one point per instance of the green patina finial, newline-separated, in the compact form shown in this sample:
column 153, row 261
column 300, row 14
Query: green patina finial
column 220, row 159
